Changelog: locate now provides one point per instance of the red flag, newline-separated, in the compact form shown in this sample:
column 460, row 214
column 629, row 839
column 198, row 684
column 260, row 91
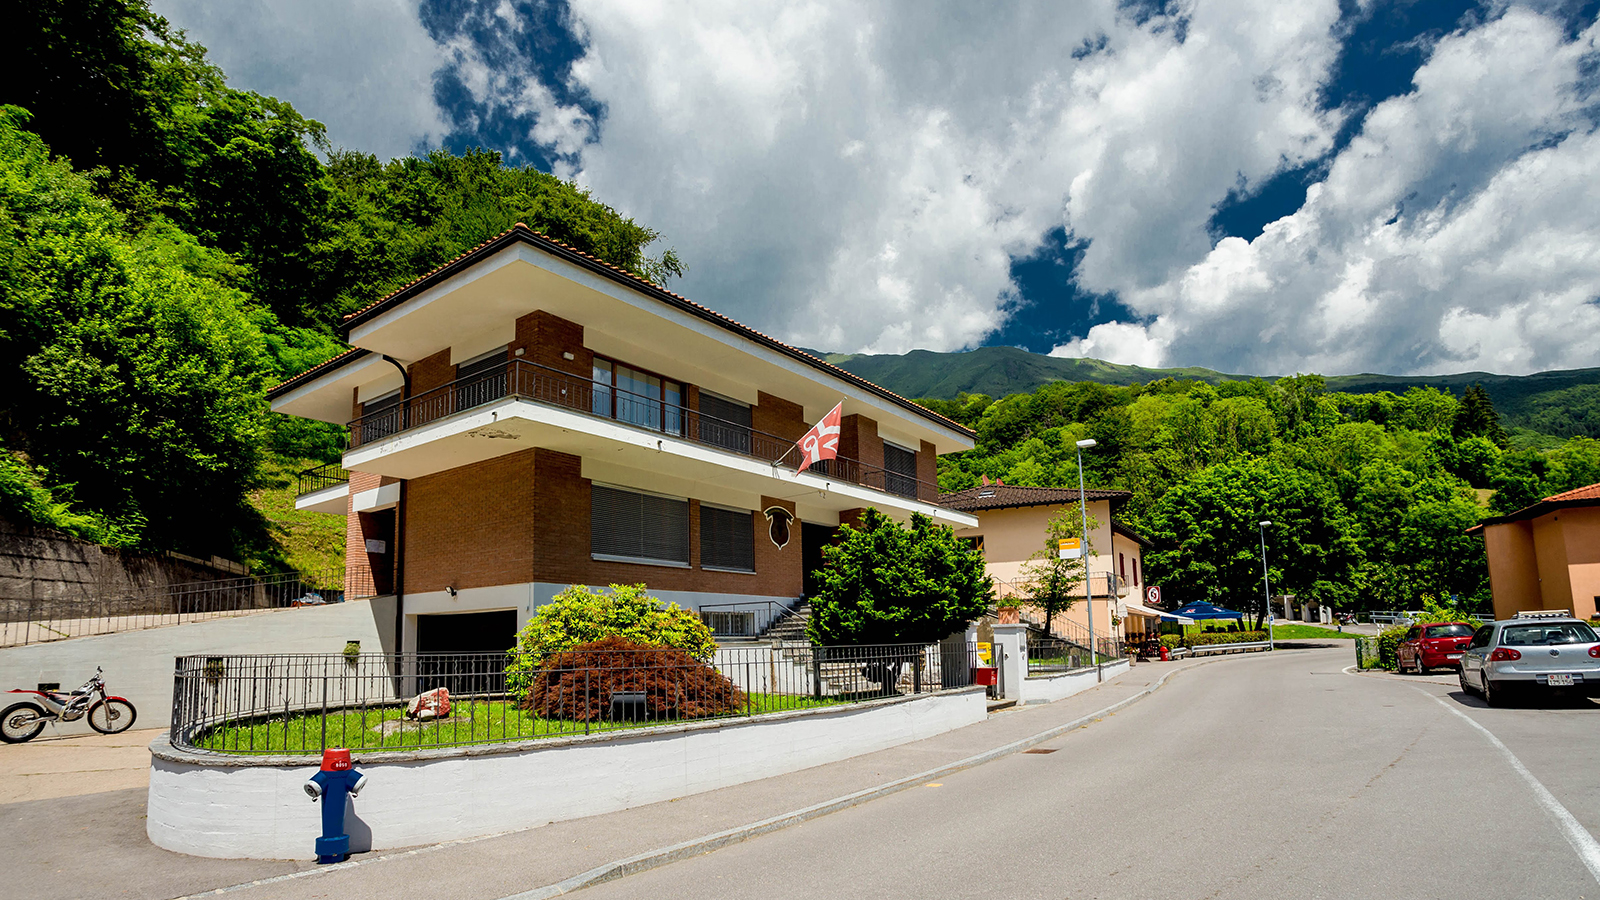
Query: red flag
column 821, row 442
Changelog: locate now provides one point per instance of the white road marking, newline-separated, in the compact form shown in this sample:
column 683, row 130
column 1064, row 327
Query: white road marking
column 1588, row 849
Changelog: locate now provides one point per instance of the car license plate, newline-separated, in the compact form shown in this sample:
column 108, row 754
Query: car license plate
column 1452, row 656
column 1561, row 680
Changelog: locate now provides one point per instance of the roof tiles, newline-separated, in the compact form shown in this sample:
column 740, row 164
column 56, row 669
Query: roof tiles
column 1002, row 496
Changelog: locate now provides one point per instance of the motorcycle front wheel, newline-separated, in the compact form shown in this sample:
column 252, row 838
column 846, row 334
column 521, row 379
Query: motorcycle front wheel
column 21, row 722
column 112, row 716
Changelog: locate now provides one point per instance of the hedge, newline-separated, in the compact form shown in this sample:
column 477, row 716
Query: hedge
column 1206, row 639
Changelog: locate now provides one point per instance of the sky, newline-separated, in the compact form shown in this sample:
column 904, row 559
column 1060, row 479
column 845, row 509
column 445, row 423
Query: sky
column 1259, row 187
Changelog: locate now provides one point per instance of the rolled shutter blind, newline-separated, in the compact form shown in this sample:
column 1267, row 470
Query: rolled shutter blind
column 638, row 526
column 724, row 423
column 901, row 465
column 727, row 539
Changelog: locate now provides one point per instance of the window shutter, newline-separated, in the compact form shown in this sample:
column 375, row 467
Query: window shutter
column 901, row 465
column 727, row 539
column 724, row 423
column 631, row 525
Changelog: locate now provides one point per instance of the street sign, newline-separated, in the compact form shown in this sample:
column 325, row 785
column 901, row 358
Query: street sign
column 1154, row 594
column 1071, row 548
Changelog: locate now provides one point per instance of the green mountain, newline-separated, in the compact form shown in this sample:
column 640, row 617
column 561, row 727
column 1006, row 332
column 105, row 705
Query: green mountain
column 1562, row 403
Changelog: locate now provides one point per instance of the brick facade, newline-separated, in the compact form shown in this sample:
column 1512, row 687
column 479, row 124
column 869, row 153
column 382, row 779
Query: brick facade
column 525, row 517
column 430, row 372
column 928, row 473
column 544, row 338
column 775, row 415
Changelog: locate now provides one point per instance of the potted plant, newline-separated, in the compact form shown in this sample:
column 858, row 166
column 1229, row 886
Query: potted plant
column 1010, row 612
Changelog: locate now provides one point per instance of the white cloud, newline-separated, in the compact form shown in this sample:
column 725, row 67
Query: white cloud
column 1119, row 342
column 860, row 177
column 363, row 68
column 1459, row 230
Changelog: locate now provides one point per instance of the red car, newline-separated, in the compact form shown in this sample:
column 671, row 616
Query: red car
column 1434, row 646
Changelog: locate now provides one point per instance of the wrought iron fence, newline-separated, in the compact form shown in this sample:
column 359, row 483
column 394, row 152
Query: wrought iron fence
column 92, row 610
column 1068, row 649
column 526, row 380
column 306, row 703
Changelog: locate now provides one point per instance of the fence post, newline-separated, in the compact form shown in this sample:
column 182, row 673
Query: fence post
column 1012, row 640
column 816, row 672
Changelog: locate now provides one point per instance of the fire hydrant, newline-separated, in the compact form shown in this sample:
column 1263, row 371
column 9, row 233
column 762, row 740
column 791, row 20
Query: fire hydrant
column 330, row 786
column 1166, row 655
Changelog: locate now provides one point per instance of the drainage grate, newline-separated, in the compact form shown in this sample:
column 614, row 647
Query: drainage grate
column 1036, row 750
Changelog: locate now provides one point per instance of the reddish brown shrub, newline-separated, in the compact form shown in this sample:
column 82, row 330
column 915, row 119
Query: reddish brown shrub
column 577, row 685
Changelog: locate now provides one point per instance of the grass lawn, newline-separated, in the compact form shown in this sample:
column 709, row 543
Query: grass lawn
column 475, row 722
column 1309, row 632
column 311, row 541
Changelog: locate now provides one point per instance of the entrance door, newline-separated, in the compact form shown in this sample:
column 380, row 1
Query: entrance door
column 812, row 539
column 465, row 653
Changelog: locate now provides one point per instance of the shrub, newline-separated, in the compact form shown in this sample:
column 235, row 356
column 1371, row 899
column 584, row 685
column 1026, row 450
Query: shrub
column 1171, row 641
column 1389, row 644
column 577, row 685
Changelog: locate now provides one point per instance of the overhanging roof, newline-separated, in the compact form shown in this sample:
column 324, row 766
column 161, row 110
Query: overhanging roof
column 522, row 234
column 1588, row 495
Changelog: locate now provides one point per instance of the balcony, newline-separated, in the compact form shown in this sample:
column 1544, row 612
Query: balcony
column 525, row 404
column 323, row 489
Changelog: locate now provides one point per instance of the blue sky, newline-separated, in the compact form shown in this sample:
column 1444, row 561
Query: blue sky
column 1257, row 187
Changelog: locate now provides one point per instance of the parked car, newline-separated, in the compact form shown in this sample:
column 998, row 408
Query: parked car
column 1433, row 646
column 1532, row 653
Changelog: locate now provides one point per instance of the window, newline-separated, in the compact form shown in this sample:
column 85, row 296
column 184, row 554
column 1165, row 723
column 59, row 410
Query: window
column 900, row 467
column 1122, row 566
column 975, row 542
column 481, row 379
column 637, row 397
column 1456, row 630
column 629, row 526
column 1480, row 638
column 727, row 539
column 380, row 417
column 1136, row 571
column 724, row 423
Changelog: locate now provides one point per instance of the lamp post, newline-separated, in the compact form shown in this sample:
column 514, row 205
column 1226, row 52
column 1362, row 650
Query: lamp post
column 1266, row 585
column 1088, row 584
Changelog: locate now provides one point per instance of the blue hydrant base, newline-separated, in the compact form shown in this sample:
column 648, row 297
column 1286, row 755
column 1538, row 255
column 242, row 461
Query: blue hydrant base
column 334, row 849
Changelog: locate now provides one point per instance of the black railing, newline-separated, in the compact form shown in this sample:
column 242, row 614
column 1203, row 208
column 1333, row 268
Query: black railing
column 744, row 618
column 306, row 703
column 525, row 380
column 320, row 477
column 95, row 610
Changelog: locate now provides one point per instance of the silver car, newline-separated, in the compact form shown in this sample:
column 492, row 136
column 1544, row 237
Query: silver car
column 1543, row 653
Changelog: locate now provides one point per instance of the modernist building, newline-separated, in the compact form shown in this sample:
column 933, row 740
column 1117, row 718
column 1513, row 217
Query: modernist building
column 528, row 417
column 1546, row 556
column 1013, row 525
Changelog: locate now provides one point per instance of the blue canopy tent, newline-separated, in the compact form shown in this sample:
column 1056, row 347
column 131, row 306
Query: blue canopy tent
column 1203, row 610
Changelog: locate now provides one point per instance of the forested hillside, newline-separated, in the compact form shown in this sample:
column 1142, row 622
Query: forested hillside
column 1369, row 494
column 1535, row 407
column 171, row 246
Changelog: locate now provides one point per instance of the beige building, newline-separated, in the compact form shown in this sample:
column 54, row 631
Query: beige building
column 1013, row 525
column 1546, row 556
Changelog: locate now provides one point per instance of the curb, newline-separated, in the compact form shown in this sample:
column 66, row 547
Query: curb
column 651, row 859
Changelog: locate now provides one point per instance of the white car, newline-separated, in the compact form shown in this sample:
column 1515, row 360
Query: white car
column 1532, row 653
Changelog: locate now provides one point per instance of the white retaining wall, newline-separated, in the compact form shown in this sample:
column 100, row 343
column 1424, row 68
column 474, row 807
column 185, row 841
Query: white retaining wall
column 138, row 664
column 233, row 807
column 1046, row 688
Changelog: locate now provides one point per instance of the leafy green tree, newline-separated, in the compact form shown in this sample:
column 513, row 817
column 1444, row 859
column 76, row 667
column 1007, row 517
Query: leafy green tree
column 125, row 377
column 1053, row 584
column 882, row 583
column 1209, row 546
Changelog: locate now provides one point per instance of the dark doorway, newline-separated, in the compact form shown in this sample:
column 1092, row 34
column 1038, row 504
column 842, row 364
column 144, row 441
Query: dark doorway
column 812, row 539
column 465, row 653
column 377, row 529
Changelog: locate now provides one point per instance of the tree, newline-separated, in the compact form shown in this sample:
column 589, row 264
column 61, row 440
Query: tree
column 1053, row 584
column 1475, row 417
column 882, row 583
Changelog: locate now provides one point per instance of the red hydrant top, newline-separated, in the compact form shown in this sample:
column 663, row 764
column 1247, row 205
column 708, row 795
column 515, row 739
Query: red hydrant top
column 336, row 760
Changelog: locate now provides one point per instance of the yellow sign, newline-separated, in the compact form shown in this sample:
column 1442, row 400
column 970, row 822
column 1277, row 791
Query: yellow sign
column 1071, row 548
column 983, row 653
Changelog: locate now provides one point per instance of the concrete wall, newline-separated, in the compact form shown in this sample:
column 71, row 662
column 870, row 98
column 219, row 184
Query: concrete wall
column 1049, row 688
column 138, row 664
column 217, row 807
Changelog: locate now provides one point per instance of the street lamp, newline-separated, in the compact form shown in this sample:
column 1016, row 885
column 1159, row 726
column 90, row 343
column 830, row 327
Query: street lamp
column 1266, row 585
column 1088, row 584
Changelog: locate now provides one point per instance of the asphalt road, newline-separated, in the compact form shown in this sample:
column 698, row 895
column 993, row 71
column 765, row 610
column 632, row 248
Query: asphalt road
column 1278, row 776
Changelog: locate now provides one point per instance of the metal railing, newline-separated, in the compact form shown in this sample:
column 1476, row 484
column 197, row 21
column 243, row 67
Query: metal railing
column 743, row 618
column 32, row 620
column 319, row 477
column 1066, row 652
column 524, row 380
column 1104, row 585
column 303, row 704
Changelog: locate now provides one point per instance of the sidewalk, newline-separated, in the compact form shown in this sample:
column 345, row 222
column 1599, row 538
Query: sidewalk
column 499, row 866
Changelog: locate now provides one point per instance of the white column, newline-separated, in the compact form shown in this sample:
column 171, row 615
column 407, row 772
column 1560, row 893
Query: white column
column 1012, row 640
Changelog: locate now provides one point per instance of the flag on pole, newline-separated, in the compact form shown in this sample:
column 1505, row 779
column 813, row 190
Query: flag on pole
column 822, row 441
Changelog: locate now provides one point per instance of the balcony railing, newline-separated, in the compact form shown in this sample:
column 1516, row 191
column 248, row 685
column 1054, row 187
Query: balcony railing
column 319, row 477
column 525, row 380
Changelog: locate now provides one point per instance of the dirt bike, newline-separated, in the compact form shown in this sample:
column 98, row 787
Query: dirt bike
column 107, row 714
